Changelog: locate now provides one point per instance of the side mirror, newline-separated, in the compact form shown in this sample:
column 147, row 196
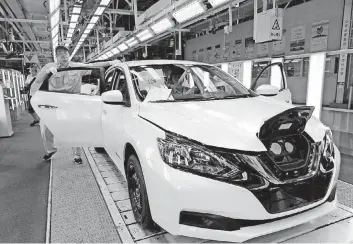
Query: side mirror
column 267, row 90
column 113, row 97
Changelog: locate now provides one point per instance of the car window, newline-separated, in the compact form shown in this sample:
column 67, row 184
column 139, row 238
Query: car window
column 109, row 79
column 73, row 80
column 121, row 85
column 184, row 82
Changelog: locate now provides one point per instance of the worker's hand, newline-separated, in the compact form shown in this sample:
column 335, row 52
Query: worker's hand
column 52, row 70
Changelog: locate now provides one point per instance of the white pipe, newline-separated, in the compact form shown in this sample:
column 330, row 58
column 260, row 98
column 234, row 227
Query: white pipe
column 350, row 97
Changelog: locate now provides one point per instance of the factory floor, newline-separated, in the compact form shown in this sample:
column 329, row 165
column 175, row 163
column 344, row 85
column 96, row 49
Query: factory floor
column 59, row 201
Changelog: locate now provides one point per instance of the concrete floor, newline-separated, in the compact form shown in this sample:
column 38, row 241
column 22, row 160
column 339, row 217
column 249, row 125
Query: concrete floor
column 24, row 181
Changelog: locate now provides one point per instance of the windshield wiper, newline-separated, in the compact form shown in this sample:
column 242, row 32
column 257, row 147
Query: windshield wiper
column 236, row 96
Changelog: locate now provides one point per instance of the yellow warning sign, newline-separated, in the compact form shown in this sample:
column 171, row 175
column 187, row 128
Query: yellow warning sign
column 276, row 25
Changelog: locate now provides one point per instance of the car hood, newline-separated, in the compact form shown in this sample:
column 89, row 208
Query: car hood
column 232, row 123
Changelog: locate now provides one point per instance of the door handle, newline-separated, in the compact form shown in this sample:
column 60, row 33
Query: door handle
column 47, row 106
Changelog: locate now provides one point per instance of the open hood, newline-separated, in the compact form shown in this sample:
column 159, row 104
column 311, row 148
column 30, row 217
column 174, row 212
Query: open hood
column 289, row 122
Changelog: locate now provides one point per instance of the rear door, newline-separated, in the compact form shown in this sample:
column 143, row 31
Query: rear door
column 74, row 119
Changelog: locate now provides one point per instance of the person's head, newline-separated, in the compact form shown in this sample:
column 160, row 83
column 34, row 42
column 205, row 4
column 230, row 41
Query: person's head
column 33, row 70
column 62, row 54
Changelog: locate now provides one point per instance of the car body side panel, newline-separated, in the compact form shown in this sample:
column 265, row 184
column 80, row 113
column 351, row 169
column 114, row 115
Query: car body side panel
column 284, row 95
column 74, row 120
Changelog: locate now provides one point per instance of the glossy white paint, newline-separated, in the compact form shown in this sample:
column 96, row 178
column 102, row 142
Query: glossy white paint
column 81, row 120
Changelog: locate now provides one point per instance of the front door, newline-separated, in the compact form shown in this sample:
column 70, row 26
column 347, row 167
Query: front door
column 114, row 118
column 74, row 119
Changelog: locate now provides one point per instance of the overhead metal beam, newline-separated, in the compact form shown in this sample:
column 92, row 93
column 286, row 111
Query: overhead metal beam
column 121, row 11
column 15, row 11
column 30, row 41
column 24, row 20
column 2, row 11
column 129, row 3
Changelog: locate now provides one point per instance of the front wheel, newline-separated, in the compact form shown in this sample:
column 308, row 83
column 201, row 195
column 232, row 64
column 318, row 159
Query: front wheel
column 138, row 193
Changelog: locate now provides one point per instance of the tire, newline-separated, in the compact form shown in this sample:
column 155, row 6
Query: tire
column 99, row 149
column 138, row 193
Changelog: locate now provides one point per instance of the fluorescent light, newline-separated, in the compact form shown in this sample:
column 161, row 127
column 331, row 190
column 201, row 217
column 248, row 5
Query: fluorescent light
column 115, row 51
column 99, row 11
column 72, row 25
column 216, row 3
column 53, row 5
column 54, row 20
column 105, row 2
column 94, row 19
column 144, row 35
column 74, row 18
column 109, row 54
column 122, row 47
column 76, row 10
column 189, row 11
column 90, row 26
column 162, row 25
column 104, row 56
column 131, row 42
column 69, row 35
column 54, row 31
column 87, row 31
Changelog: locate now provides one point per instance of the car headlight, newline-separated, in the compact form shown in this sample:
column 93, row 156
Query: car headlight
column 185, row 155
column 328, row 152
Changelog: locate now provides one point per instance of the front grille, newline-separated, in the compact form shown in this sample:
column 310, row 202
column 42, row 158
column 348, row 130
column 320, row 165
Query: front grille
column 281, row 198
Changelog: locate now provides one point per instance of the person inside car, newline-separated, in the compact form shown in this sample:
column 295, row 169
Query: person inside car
column 68, row 82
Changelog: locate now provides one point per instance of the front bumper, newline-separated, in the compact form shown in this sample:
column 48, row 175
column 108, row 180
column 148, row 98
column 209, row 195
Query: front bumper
column 171, row 192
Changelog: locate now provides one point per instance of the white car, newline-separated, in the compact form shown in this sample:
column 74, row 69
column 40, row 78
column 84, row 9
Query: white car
column 203, row 156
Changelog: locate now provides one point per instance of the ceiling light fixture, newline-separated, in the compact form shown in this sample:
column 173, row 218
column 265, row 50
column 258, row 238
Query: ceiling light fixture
column 99, row 11
column 115, row 50
column 216, row 3
column 105, row 2
column 122, row 47
column 162, row 25
column 189, row 11
column 131, row 42
column 94, row 19
column 74, row 18
column 144, row 35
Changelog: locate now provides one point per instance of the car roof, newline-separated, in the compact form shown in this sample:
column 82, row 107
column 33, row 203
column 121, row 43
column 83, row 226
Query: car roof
column 160, row 62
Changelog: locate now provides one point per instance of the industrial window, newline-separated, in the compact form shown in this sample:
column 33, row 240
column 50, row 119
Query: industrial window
column 258, row 67
column 331, row 66
column 292, row 67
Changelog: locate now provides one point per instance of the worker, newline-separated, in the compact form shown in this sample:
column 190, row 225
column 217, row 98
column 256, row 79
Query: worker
column 32, row 87
column 68, row 82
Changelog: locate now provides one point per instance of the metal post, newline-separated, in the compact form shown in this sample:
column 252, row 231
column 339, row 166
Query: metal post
column 135, row 13
column 98, row 47
column 65, row 10
column 350, row 97
column 84, row 53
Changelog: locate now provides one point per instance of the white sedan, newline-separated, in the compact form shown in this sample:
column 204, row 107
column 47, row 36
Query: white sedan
column 203, row 155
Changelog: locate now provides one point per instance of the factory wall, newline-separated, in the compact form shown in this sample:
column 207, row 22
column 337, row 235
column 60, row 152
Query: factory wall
column 237, row 46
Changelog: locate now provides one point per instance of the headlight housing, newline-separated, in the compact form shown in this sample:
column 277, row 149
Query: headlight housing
column 328, row 152
column 183, row 154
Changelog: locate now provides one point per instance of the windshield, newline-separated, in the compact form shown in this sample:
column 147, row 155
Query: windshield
column 178, row 82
